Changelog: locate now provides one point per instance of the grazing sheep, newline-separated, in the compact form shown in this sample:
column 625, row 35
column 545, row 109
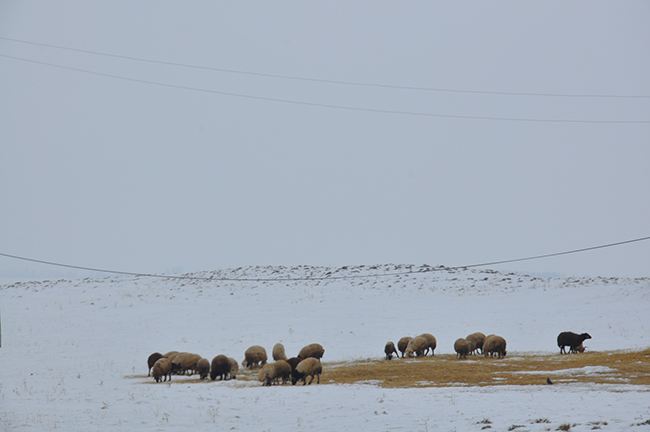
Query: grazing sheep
column 184, row 362
column 203, row 368
column 389, row 349
column 418, row 345
column 461, row 347
column 153, row 358
column 494, row 345
column 580, row 349
column 572, row 340
column 271, row 373
column 471, row 346
column 278, row 352
column 255, row 356
column 479, row 339
column 308, row 367
column 312, row 350
column 162, row 369
column 234, row 368
column 293, row 362
column 220, row 367
column 431, row 342
column 403, row 343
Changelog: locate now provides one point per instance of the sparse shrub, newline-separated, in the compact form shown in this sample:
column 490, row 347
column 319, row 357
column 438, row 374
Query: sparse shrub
column 485, row 422
column 647, row 422
column 513, row 427
column 541, row 420
column 564, row 427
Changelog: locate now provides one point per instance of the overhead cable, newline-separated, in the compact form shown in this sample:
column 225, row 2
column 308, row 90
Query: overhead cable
column 322, row 105
column 322, row 278
column 327, row 81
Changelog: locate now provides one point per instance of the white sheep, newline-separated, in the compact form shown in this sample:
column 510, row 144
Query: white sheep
column 308, row 367
column 272, row 373
column 234, row 368
column 254, row 356
column 418, row 345
column 203, row 368
column 162, row 369
column 403, row 343
column 431, row 342
column 278, row 352
column 479, row 339
column 184, row 362
column 312, row 350
column 494, row 345
column 461, row 347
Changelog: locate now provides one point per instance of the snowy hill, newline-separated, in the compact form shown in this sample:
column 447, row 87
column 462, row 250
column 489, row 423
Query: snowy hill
column 70, row 346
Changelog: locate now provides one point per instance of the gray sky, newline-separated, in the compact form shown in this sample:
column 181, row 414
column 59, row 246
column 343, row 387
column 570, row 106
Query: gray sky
column 121, row 174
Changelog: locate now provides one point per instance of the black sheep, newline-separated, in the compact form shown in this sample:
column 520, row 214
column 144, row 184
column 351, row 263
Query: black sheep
column 572, row 340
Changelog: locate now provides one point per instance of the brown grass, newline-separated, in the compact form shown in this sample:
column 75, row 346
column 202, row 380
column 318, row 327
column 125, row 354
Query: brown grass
column 615, row 367
column 515, row 369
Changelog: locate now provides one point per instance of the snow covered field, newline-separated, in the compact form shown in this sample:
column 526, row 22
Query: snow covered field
column 74, row 352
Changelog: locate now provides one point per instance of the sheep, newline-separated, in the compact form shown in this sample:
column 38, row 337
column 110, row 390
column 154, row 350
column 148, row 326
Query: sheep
column 572, row 340
column 234, row 368
column 220, row 367
column 203, row 368
column 479, row 338
column 184, row 362
column 579, row 349
column 461, row 347
column 389, row 349
column 312, row 350
column 293, row 362
column 255, row 356
column 278, row 352
column 273, row 372
column 403, row 343
column 418, row 345
column 308, row 367
column 162, row 369
column 170, row 354
column 471, row 346
column 494, row 345
column 431, row 342
column 153, row 358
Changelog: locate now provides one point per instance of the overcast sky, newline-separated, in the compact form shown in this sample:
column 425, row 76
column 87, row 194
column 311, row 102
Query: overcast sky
column 146, row 166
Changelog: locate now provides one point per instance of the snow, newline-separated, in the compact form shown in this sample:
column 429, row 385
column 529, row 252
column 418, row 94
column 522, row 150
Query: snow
column 74, row 352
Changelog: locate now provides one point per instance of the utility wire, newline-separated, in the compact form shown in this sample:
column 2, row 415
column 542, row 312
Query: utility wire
column 321, row 105
column 326, row 81
column 321, row 278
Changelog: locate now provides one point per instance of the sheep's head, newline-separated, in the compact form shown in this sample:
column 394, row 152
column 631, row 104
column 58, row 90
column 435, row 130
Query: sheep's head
column 585, row 336
column 296, row 376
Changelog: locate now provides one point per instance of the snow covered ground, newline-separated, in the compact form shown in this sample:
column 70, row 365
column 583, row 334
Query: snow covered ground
column 74, row 352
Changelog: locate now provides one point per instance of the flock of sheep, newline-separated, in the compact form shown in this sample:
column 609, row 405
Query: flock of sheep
column 489, row 346
column 420, row 345
column 306, row 364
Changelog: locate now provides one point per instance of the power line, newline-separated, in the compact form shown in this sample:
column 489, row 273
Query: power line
column 321, row 105
column 321, row 278
column 326, row 81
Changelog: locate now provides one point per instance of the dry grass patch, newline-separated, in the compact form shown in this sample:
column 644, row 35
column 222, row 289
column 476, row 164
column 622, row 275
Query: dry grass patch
column 516, row 369
column 610, row 367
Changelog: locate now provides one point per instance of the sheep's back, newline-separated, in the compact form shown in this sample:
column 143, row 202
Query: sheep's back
column 312, row 350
